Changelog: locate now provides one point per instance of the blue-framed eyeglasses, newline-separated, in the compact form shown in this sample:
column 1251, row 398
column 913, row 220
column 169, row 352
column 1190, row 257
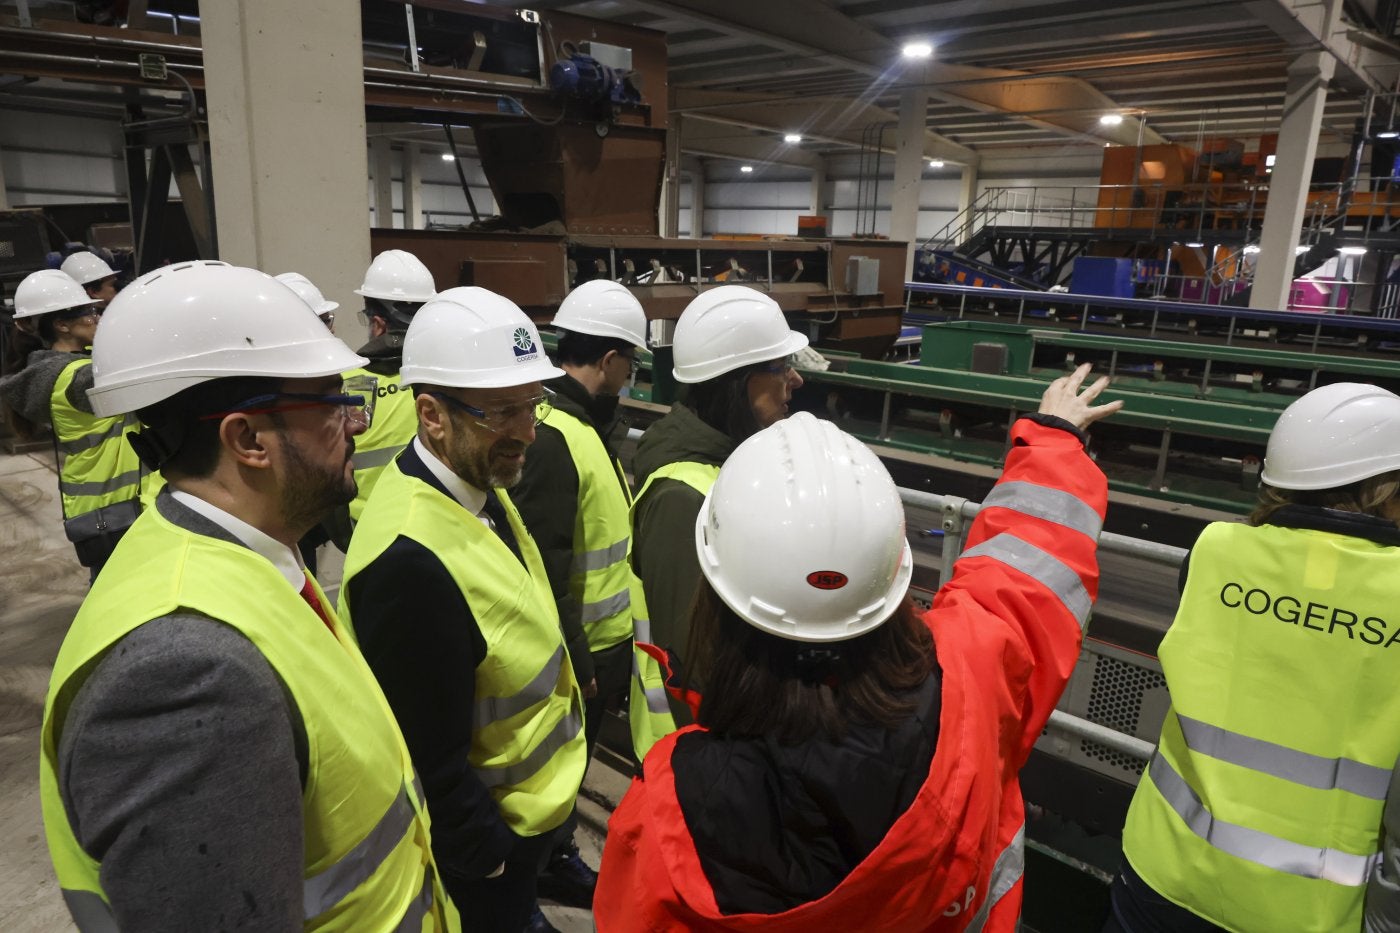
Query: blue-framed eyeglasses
column 499, row 417
column 356, row 402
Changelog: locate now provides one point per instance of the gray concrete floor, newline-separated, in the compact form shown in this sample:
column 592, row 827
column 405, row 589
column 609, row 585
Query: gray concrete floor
column 41, row 587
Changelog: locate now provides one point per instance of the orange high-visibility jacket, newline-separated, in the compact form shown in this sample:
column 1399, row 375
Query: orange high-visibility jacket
column 1007, row 627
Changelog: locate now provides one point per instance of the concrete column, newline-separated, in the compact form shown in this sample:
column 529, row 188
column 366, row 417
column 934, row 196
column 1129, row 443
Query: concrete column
column 287, row 136
column 669, row 218
column 1288, row 185
column 908, row 172
column 697, row 199
column 382, row 154
column 412, row 187
column 967, row 193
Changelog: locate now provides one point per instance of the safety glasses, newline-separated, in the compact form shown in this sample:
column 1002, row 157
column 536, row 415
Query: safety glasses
column 780, row 367
column 356, row 402
column 499, row 418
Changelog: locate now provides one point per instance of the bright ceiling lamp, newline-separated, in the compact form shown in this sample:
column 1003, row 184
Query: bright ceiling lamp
column 917, row 49
column 1111, row 119
column 448, row 157
column 746, row 169
column 1352, row 250
column 935, row 163
column 793, row 138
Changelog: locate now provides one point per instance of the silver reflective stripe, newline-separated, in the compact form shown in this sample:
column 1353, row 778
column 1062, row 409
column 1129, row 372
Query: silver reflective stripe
column 1049, row 570
column 1255, row 846
column 90, row 912
column 1053, row 505
column 1280, row 761
column 418, row 791
column 89, row 441
column 495, row 709
column 602, row 558
column 370, row 459
column 1006, row 871
column 606, row 608
column 412, row 920
column 329, row 886
column 564, row 730
column 101, row 487
column 656, row 696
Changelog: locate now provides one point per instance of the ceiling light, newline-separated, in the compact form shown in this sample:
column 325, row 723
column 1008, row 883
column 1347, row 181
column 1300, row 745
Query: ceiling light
column 792, row 138
column 746, row 169
column 1111, row 119
column 1388, row 134
column 935, row 163
column 1352, row 250
column 1300, row 250
column 448, row 157
column 917, row 50
column 1194, row 244
column 1251, row 248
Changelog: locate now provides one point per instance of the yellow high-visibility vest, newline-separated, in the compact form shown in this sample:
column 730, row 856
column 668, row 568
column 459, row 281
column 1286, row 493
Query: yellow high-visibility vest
column 368, row 861
column 1262, row 807
column 393, row 427
column 527, row 736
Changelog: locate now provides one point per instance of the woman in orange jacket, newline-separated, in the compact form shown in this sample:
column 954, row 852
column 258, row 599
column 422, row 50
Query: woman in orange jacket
column 854, row 765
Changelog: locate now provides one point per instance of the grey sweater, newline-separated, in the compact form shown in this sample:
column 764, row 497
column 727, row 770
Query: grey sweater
column 29, row 390
column 181, row 764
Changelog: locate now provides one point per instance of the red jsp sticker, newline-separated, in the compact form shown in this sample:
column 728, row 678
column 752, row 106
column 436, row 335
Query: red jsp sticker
column 827, row 579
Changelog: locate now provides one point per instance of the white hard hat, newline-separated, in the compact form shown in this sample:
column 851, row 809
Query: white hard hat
column 823, row 509
column 1333, row 436
column 85, row 267
column 603, row 308
column 193, row 322
column 397, row 276
column 47, row 291
column 472, row 338
column 308, row 292
column 727, row 328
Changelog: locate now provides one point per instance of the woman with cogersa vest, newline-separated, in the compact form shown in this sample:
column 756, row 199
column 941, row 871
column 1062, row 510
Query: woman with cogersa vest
column 1262, row 808
column 853, row 763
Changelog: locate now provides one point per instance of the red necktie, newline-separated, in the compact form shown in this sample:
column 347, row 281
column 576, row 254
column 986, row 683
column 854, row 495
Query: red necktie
column 308, row 593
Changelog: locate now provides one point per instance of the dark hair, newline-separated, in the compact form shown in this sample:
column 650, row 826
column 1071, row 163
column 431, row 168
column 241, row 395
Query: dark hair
column 175, row 441
column 586, row 349
column 757, row 684
column 397, row 315
column 1374, row 495
column 723, row 402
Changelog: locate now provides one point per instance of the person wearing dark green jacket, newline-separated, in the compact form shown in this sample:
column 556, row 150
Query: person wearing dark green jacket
column 733, row 353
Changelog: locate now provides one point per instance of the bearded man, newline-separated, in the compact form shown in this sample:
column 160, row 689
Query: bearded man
column 448, row 597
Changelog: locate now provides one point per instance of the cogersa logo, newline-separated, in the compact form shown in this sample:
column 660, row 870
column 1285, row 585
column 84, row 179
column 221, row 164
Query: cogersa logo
column 524, row 345
column 827, row 579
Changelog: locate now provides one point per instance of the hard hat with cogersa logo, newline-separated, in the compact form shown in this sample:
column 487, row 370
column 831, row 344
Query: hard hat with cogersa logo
column 472, row 338
column 823, row 509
